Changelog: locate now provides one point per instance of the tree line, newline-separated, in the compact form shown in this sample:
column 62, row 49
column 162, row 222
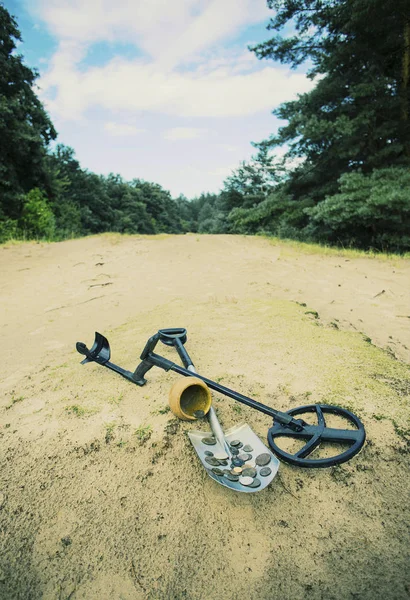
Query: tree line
column 336, row 172
column 46, row 194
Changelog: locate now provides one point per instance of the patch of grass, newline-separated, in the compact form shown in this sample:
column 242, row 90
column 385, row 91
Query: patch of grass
column 109, row 432
column 340, row 474
column 284, row 388
column 62, row 366
column 15, row 400
column 310, row 248
column 400, row 386
column 402, row 432
column 12, row 242
column 312, row 312
column 237, row 408
column 143, row 433
column 79, row 411
column 161, row 411
column 380, row 417
column 346, row 404
column 116, row 399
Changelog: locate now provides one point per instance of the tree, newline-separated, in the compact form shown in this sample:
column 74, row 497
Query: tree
column 369, row 211
column 37, row 219
column 25, row 128
column 357, row 116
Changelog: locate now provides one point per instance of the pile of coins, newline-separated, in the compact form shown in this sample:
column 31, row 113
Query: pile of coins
column 238, row 468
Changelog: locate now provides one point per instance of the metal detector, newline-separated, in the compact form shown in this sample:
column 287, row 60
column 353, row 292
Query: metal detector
column 285, row 424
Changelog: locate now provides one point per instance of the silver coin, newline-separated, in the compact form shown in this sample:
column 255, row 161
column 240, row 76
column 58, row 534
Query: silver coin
column 255, row 483
column 208, row 453
column 224, row 463
column 217, row 471
column 209, row 441
column 247, row 448
column 250, row 472
column 234, row 451
column 226, row 471
column 237, row 462
column 212, row 461
column 232, row 477
column 263, row 459
column 221, row 455
column 199, row 414
column 246, row 480
column 236, row 444
column 245, row 457
column 265, row 471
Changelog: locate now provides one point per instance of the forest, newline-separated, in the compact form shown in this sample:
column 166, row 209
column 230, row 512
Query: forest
column 337, row 172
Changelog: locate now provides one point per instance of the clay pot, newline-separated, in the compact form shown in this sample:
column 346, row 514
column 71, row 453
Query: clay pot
column 188, row 395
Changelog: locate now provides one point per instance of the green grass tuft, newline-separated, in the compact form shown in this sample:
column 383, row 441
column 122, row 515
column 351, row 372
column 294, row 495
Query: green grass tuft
column 143, row 433
column 15, row 400
column 79, row 411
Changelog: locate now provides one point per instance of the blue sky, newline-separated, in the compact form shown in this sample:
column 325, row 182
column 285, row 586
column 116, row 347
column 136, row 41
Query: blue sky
column 157, row 90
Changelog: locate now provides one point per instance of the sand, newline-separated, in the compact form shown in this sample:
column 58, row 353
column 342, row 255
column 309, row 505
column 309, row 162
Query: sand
column 101, row 493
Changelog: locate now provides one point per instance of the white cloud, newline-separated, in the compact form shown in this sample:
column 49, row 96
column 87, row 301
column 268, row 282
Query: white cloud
column 163, row 29
column 219, row 82
column 184, row 133
column 137, row 86
column 121, row 129
column 190, row 81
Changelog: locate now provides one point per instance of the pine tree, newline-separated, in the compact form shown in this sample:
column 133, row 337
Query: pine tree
column 357, row 116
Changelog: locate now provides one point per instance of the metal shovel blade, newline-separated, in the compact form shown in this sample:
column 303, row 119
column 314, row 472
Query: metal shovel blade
column 247, row 437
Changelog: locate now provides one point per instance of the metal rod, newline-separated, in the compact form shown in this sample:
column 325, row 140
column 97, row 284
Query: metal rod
column 277, row 415
column 213, row 419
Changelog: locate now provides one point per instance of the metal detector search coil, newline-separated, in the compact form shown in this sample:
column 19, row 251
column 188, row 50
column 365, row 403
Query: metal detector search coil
column 285, row 424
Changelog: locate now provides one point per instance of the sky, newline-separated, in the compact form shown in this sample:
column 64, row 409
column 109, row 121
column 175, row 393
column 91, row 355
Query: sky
column 165, row 91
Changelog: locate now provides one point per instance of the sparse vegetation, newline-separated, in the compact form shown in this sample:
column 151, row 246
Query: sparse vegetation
column 15, row 400
column 161, row 411
column 116, row 399
column 143, row 433
column 109, row 432
column 79, row 411
column 314, row 313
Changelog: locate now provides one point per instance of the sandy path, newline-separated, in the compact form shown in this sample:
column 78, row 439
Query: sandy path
column 87, row 510
column 52, row 293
